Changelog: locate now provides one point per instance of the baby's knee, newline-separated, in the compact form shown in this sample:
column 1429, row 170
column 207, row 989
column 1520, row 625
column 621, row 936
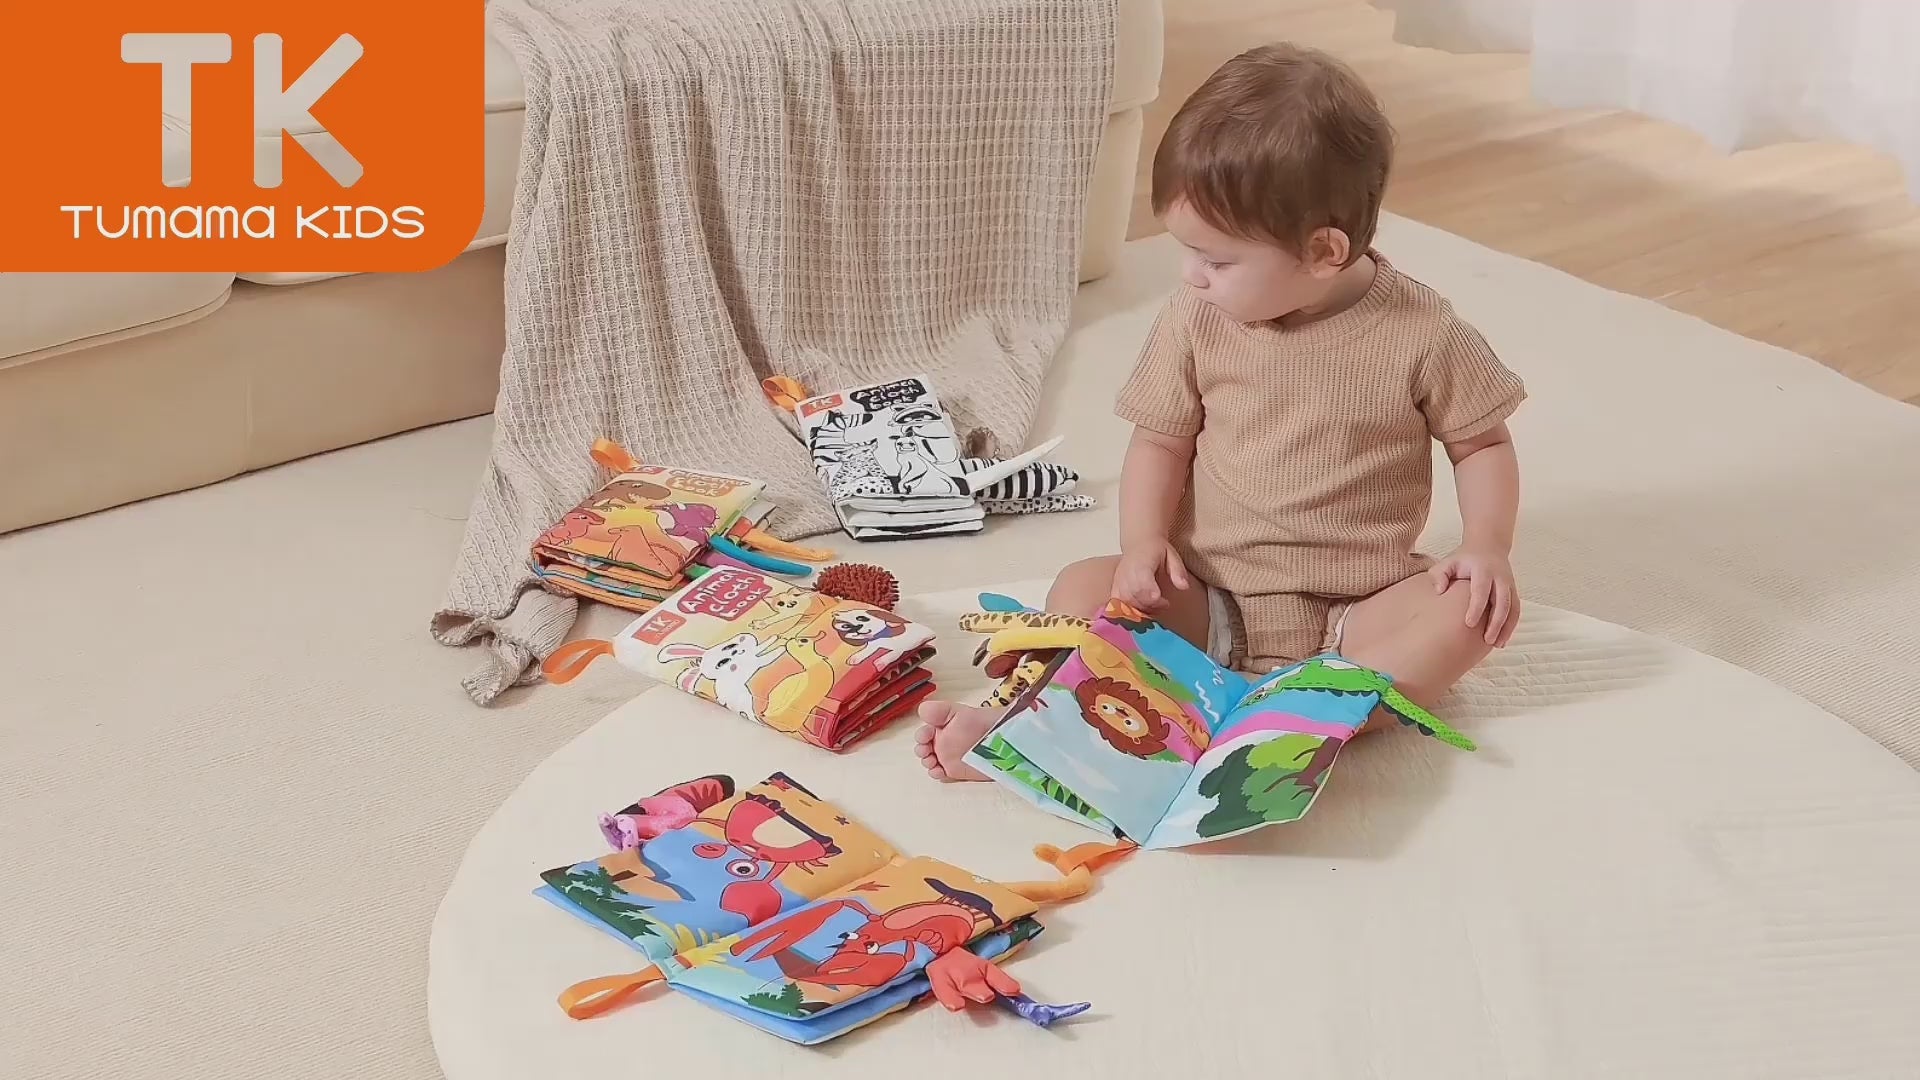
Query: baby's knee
column 1451, row 630
column 1083, row 588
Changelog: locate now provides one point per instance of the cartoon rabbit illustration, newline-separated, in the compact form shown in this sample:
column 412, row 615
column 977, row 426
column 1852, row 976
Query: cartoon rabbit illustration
column 730, row 666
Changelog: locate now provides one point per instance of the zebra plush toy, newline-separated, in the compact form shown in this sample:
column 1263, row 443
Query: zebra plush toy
column 1040, row 488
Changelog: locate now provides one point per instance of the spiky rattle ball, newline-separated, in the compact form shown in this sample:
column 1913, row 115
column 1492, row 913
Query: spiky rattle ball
column 861, row 582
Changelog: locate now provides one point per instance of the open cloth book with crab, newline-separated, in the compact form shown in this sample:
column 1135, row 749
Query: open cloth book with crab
column 778, row 908
column 1123, row 726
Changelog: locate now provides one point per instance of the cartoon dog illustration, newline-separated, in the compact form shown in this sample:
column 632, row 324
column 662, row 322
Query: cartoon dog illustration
column 873, row 630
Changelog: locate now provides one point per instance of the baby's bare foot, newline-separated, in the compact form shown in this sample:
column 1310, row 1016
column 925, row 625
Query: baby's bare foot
column 947, row 732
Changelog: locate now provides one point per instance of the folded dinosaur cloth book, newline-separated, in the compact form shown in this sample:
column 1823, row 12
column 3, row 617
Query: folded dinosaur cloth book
column 639, row 537
column 779, row 909
column 1121, row 725
column 595, row 580
column 891, row 462
column 822, row 669
column 633, row 538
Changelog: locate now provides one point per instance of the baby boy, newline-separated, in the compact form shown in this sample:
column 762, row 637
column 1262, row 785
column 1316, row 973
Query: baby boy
column 1285, row 408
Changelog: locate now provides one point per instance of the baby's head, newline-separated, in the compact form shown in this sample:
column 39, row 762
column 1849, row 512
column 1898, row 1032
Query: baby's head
column 1272, row 175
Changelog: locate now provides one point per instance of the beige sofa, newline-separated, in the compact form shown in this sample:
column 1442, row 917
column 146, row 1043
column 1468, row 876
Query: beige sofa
column 117, row 387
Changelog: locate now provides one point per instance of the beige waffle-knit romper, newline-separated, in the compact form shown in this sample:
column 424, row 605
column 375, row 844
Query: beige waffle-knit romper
column 1313, row 462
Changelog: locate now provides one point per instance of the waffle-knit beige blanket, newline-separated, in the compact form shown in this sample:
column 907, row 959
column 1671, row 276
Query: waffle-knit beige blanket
column 714, row 191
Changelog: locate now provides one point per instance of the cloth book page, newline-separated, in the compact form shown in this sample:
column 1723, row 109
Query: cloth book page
column 1138, row 733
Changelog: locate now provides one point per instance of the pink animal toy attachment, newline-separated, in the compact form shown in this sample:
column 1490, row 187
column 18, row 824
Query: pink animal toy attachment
column 676, row 807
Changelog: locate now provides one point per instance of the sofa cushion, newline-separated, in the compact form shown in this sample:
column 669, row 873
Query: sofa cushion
column 1140, row 40
column 48, row 311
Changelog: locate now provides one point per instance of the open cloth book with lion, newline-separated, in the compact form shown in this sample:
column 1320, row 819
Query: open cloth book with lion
column 1123, row 726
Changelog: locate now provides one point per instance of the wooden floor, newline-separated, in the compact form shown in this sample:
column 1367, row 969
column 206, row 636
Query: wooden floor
column 1815, row 248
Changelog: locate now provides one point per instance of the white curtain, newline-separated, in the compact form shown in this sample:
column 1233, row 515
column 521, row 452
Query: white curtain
column 1742, row 73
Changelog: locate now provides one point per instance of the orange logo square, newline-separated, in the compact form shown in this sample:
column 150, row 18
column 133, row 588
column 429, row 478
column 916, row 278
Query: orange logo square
column 232, row 135
column 657, row 627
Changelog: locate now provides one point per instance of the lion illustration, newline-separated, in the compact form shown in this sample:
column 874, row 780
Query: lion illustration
column 1123, row 716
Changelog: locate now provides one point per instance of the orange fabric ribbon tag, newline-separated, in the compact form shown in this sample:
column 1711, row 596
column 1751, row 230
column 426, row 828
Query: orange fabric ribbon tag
column 572, row 658
column 614, row 456
column 588, row 999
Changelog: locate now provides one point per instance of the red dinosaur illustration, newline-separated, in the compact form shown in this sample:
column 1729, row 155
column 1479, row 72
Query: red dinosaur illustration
column 576, row 524
column 860, row 958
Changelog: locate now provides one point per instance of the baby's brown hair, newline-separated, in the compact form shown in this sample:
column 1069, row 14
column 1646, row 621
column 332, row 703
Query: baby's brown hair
column 1277, row 144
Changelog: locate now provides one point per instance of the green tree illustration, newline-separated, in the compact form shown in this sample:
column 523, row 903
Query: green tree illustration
column 1275, row 780
column 1060, row 793
column 635, row 922
column 593, row 887
column 594, row 880
column 788, row 1002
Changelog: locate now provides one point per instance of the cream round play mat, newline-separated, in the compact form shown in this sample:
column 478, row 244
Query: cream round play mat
column 1656, row 865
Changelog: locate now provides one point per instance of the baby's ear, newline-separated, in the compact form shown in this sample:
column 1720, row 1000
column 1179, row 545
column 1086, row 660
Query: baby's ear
column 1328, row 251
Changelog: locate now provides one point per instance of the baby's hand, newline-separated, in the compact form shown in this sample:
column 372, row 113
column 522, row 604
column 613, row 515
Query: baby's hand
column 1490, row 590
column 1136, row 581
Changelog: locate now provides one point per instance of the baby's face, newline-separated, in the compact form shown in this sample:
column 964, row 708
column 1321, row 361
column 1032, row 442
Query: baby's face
column 1246, row 280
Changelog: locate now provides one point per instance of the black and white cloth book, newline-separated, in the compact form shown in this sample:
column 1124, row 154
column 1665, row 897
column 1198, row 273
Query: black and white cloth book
column 871, row 519
column 891, row 444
